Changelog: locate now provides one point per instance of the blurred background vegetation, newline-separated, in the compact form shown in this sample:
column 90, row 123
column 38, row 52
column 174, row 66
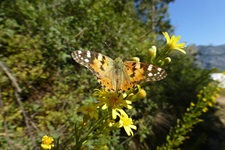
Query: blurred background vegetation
column 41, row 87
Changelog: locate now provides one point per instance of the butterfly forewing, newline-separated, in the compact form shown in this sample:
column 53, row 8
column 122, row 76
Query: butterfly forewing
column 99, row 64
column 141, row 72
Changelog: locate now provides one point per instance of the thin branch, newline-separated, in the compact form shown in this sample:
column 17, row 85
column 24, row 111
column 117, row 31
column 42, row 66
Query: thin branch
column 80, row 34
column 13, row 79
column 26, row 118
column 18, row 99
column 119, row 31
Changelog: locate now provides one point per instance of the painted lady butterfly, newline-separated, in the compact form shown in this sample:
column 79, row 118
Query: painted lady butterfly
column 116, row 75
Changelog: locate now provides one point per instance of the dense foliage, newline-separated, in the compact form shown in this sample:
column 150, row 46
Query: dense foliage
column 41, row 87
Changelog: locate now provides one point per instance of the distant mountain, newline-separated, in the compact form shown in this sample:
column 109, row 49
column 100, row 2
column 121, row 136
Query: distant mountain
column 211, row 57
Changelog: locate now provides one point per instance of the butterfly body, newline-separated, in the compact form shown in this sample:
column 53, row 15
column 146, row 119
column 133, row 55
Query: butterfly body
column 116, row 75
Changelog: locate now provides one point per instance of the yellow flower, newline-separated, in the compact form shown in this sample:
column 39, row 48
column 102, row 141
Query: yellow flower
column 192, row 104
column 204, row 99
column 113, row 101
column 110, row 122
column 90, row 110
column 172, row 43
column 217, row 95
column 205, row 109
column 127, row 124
column 199, row 95
column 47, row 142
column 210, row 104
column 213, row 99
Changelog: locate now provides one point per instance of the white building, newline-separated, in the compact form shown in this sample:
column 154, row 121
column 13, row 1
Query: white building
column 219, row 77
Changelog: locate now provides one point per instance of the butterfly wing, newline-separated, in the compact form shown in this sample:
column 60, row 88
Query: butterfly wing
column 138, row 72
column 98, row 63
column 101, row 66
column 124, row 83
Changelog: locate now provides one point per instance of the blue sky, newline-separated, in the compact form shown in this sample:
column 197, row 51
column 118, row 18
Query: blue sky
column 199, row 22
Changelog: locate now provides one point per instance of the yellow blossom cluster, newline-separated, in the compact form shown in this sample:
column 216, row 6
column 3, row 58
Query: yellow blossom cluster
column 172, row 43
column 116, row 102
column 47, row 142
column 206, row 98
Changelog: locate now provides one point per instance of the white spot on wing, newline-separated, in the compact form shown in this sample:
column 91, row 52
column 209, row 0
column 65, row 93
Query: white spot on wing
column 150, row 67
column 137, row 66
column 88, row 54
column 150, row 74
column 86, row 60
column 99, row 57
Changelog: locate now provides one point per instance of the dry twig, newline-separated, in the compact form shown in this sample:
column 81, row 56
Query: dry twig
column 18, row 99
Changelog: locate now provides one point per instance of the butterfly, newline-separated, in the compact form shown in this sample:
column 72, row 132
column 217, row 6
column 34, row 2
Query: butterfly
column 116, row 75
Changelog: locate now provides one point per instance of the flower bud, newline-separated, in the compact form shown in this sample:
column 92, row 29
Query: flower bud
column 136, row 59
column 152, row 52
column 167, row 60
column 141, row 93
